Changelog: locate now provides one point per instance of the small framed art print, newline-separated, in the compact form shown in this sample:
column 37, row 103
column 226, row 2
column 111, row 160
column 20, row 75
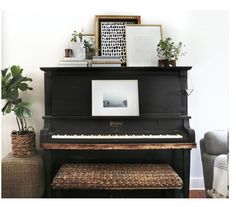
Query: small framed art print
column 115, row 98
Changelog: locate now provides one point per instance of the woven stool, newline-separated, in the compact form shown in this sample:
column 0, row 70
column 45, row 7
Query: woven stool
column 22, row 177
column 116, row 177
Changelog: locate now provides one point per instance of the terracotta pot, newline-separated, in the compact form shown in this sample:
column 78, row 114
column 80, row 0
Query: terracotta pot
column 23, row 145
column 166, row 63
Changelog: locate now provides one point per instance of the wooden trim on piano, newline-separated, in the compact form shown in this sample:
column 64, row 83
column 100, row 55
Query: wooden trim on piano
column 144, row 146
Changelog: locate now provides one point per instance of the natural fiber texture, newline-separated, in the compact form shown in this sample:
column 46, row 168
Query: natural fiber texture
column 22, row 177
column 116, row 176
column 23, row 145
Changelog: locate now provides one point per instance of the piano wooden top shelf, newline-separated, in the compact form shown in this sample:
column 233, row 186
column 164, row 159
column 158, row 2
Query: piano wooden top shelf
column 118, row 69
column 137, row 146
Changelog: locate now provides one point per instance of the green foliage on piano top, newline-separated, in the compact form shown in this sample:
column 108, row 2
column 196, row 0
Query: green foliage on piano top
column 12, row 83
column 76, row 34
column 167, row 49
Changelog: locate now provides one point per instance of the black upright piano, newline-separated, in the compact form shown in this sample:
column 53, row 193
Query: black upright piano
column 159, row 134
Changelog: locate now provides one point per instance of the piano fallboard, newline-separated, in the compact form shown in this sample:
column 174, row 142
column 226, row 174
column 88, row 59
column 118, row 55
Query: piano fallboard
column 138, row 129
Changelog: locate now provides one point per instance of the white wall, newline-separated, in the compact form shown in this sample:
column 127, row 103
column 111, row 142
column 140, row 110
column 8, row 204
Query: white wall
column 35, row 38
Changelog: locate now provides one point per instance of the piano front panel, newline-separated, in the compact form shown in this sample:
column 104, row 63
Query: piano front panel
column 71, row 94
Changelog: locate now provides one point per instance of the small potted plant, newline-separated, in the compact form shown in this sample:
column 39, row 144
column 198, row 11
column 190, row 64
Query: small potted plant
column 89, row 49
column 23, row 140
column 168, row 52
column 77, row 46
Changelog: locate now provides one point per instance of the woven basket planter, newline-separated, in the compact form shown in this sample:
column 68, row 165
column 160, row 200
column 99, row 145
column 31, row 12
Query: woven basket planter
column 23, row 145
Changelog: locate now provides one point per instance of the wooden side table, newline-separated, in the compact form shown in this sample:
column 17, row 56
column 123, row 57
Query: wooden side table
column 22, row 177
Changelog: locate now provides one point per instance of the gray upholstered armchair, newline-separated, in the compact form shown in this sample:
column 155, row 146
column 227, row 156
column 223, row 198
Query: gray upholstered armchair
column 213, row 144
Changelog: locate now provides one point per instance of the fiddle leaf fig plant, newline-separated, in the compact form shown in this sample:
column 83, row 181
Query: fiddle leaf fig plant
column 12, row 83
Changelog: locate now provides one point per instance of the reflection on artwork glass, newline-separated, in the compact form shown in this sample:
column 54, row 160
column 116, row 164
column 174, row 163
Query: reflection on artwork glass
column 114, row 100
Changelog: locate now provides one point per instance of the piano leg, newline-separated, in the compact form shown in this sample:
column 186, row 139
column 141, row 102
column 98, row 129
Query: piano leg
column 186, row 161
column 48, row 173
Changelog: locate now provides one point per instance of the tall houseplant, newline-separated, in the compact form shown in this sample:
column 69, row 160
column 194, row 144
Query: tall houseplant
column 168, row 52
column 23, row 139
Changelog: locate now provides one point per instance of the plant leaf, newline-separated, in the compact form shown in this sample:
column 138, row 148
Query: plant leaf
column 9, row 108
column 12, row 95
column 26, row 112
column 15, row 70
column 4, row 72
column 23, row 86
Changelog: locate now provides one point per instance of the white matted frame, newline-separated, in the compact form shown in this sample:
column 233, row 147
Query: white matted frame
column 90, row 38
column 141, row 44
column 115, row 98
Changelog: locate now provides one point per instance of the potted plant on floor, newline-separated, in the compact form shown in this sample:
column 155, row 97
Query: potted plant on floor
column 23, row 140
column 168, row 52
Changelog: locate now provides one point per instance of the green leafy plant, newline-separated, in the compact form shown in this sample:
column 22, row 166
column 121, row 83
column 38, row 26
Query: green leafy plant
column 90, row 49
column 167, row 49
column 12, row 83
column 76, row 34
column 89, row 46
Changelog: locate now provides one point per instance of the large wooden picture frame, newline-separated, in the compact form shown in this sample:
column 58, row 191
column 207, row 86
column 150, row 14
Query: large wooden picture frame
column 110, row 34
column 141, row 44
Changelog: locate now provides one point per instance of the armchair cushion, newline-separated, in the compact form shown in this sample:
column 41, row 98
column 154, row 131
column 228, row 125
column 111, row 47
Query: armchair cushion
column 216, row 142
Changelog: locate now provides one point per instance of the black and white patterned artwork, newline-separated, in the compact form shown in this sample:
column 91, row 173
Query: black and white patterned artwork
column 113, row 41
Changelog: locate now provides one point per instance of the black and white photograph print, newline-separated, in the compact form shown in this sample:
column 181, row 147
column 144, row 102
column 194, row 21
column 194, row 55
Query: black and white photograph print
column 115, row 98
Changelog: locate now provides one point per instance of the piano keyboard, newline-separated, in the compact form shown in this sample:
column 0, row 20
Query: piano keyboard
column 116, row 136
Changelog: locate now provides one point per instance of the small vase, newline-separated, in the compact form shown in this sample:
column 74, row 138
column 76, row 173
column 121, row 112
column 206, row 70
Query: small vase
column 78, row 50
column 89, row 54
column 166, row 63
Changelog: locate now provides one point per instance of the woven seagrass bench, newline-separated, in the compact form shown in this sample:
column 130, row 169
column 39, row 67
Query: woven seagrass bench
column 116, row 177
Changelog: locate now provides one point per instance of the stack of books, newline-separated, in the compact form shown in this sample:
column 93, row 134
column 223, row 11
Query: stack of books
column 73, row 62
column 106, row 61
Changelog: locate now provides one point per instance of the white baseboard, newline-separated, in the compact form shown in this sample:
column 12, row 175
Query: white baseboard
column 197, row 183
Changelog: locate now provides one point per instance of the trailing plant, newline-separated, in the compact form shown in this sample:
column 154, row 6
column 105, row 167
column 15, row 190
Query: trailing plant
column 76, row 34
column 12, row 83
column 166, row 49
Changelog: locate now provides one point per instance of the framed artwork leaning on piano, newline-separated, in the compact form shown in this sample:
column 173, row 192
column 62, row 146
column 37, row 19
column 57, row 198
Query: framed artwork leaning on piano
column 115, row 98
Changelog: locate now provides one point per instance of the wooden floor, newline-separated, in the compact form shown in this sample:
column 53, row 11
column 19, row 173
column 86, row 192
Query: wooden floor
column 197, row 194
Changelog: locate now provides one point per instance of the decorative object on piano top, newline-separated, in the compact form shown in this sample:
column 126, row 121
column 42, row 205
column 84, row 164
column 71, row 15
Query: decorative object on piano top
column 89, row 45
column 168, row 52
column 110, row 34
column 77, row 46
column 105, row 61
column 141, row 42
column 23, row 140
